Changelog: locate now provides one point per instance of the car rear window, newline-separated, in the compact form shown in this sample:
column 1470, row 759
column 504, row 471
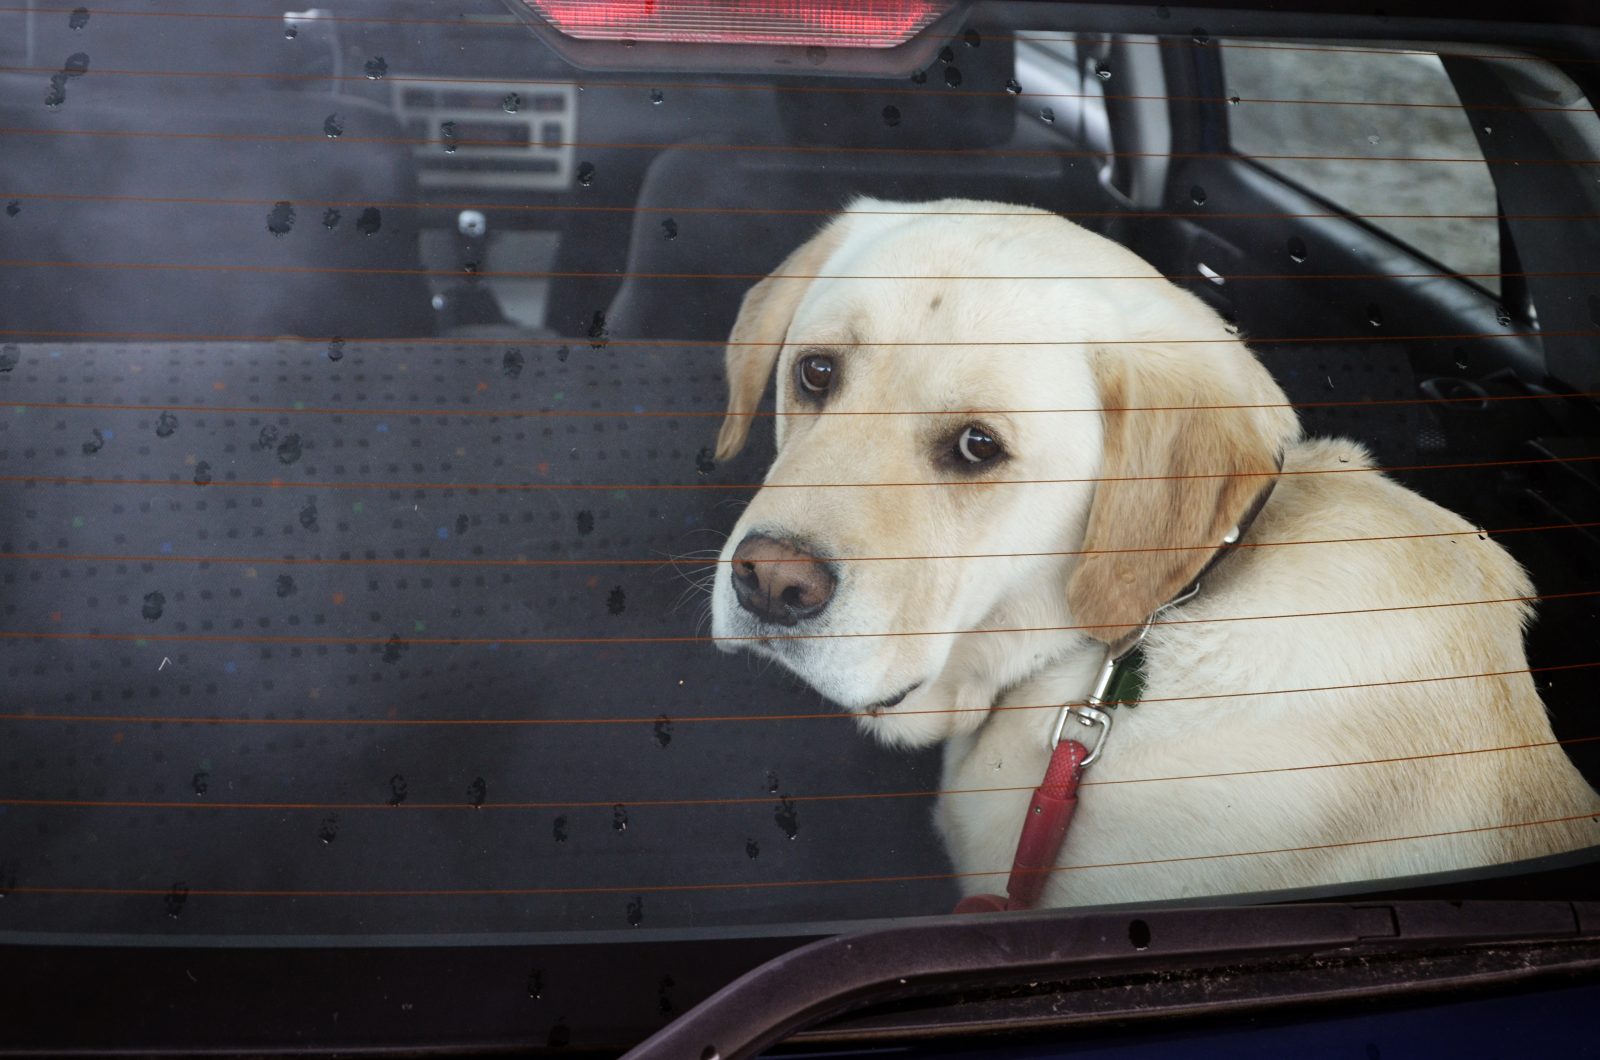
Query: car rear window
column 361, row 378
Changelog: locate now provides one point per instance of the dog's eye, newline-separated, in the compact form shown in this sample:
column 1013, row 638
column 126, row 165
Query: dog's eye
column 976, row 445
column 816, row 372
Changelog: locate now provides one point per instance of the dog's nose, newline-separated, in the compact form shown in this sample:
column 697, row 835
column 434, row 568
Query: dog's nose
column 779, row 582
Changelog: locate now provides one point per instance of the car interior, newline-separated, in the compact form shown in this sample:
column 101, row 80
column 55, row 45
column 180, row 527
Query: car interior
column 361, row 378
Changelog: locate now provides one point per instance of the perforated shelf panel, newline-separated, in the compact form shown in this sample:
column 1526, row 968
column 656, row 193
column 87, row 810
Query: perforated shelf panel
column 353, row 581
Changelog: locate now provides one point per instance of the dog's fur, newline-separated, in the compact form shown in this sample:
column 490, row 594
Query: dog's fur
column 1243, row 769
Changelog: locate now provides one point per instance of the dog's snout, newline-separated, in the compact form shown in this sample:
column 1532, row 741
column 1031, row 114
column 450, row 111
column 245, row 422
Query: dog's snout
column 779, row 582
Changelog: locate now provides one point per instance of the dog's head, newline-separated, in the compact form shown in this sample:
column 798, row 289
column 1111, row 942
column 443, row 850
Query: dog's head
column 988, row 418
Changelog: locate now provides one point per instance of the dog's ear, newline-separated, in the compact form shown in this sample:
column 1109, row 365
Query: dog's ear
column 1183, row 462
column 758, row 333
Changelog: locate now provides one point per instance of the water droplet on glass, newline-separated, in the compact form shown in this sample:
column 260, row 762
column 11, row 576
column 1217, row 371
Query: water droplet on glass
column 370, row 221
column 175, row 900
column 1102, row 71
column 1487, row 130
column 1373, row 138
column 394, row 649
column 376, row 67
column 752, row 849
column 586, row 173
column 710, row 1052
column 1502, row 316
column 1014, row 87
column 952, row 77
column 511, row 103
column 13, row 208
column 1231, row 327
column 95, row 443
column 1297, row 249
column 290, row 32
column 558, row 829
column 636, row 911
column 1200, row 36
column 1233, row 101
column 333, row 126
column 77, row 64
column 597, row 329
column 79, row 18
column 619, row 818
column 9, row 356
column 787, row 816
column 947, row 55
column 663, row 730
column 328, row 830
column 200, row 783
column 772, row 782
column 616, row 601
column 891, row 116
column 477, row 792
column 290, row 449
column 330, row 218
column 511, row 364
column 1197, row 195
column 535, row 984
column 657, row 96
column 669, row 228
column 57, row 93
column 285, row 586
column 560, row 1035
column 398, row 790
column 447, row 136
column 919, row 77
column 704, row 460
column 166, row 424
column 202, row 473
column 971, row 39
column 155, row 602
column 280, row 219
column 308, row 515
column 1047, row 115
column 336, row 349
column 1375, row 315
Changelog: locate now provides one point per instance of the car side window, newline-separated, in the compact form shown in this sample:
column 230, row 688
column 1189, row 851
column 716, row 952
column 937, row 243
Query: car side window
column 1367, row 116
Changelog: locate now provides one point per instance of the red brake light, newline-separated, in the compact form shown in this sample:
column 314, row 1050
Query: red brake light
column 824, row 23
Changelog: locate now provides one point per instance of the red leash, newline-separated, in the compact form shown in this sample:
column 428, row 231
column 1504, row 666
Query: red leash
column 1043, row 833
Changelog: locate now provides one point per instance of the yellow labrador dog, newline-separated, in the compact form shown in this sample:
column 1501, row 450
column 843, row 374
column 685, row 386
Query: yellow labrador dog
column 993, row 459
